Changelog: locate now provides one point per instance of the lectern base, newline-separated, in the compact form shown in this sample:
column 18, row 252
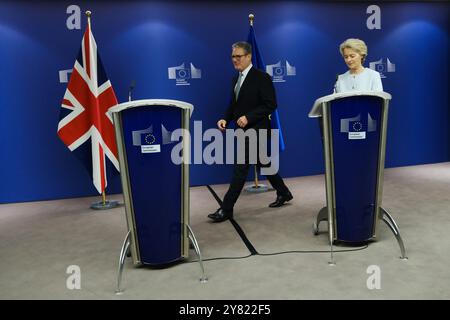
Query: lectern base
column 386, row 217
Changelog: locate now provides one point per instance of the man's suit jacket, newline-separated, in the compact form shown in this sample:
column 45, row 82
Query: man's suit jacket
column 256, row 100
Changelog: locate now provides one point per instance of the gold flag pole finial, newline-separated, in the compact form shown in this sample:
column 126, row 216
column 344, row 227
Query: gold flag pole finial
column 88, row 15
column 251, row 17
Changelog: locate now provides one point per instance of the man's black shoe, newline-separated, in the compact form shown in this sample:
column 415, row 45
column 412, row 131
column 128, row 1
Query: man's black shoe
column 220, row 215
column 281, row 200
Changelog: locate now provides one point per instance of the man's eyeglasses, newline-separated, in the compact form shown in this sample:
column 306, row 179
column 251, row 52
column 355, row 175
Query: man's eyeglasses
column 238, row 56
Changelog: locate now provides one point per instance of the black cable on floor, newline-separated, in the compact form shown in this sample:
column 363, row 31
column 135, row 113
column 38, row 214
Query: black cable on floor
column 312, row 251
column 222, row 258
column 252, row 249
column 282, row 252
column 236, row 226
column 215, row 195
column 244, row 238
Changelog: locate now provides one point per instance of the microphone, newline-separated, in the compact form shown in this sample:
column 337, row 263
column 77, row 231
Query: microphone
column 335, row 83
column 132, row 85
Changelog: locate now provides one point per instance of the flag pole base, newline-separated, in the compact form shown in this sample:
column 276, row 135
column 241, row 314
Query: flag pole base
column 256, row 188
column 104, row 206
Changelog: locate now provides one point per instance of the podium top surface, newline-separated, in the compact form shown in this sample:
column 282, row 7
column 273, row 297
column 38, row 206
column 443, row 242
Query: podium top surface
column 316, row 110
column 153, row 102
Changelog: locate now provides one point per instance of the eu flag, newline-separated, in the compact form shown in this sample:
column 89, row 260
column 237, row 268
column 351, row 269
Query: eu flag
column 258, row 63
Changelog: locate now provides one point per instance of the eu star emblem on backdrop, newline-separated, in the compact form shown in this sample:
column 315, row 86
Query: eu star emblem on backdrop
column 258, row 63
column 85, row 124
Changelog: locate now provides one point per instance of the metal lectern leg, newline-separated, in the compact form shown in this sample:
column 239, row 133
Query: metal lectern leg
column 387, row 218
column 321, row 216
column 123, row 254
column 203, row 279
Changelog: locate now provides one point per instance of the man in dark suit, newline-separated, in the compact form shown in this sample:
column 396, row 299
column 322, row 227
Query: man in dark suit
column 253, row 102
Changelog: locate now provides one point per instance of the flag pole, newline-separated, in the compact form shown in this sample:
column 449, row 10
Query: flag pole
column 256, row 187
column 104, row 204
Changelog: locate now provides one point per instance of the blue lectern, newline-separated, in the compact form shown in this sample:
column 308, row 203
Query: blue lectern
column 154, row 169
column 354, row 127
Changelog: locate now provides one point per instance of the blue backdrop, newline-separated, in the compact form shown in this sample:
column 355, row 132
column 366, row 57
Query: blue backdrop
column 141, row 40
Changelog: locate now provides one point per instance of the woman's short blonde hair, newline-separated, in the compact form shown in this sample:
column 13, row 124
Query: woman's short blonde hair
column 354, row 44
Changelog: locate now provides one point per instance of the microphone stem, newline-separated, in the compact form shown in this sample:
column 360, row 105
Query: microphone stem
column 132, row 85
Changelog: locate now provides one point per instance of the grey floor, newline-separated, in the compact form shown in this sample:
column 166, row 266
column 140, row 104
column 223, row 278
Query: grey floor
column 40, row 240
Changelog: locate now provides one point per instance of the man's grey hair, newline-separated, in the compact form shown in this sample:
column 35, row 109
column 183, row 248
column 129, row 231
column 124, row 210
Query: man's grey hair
column 243, row 45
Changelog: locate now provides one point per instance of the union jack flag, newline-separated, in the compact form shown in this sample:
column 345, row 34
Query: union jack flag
column 85, row 124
